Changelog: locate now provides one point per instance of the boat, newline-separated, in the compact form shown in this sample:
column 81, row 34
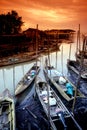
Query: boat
column 7, row 111
column 58, row 115
column 82, row 52
column 61, row 83
column 26, row 81
column 79, row 65
column 74, row 66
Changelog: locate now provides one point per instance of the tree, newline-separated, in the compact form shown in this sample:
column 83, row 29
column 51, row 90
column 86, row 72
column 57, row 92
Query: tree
column 10, row 23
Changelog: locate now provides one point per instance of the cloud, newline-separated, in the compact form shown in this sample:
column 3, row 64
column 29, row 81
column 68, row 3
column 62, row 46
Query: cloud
column 48, row 14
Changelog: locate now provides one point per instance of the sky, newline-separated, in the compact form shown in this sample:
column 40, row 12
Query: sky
column 49, row 14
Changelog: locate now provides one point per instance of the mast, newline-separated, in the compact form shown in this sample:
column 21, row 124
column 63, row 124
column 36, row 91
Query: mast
column 36, row 55
column 62, row 58
column 79, row 77
column 48, row 89
column 78, row 82
column 79, row 39
column 36, row 44
column 77, row 49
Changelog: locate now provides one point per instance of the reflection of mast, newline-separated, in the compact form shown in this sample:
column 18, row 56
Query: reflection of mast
column 13, row 77
column 62, row 58
column 70, row 51
column 4, row 78
column 23, row 69
column 57, row 48
column 48, row 51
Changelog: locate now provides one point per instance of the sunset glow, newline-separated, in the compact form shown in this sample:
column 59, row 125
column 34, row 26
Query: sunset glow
column 53, row 14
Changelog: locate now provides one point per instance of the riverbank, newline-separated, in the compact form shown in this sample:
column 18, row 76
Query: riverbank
column 25, row 57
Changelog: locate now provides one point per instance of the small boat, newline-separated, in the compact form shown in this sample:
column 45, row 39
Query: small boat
column 7, row 111
column 58, row 115
column 27, row 79
column 62, row 84
column 74, row 66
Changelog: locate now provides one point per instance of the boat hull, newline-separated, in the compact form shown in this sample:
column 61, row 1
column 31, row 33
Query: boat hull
column 7, row 111
column 61, row 85
column 54, row 107
column 75, row 68
column 27, row 80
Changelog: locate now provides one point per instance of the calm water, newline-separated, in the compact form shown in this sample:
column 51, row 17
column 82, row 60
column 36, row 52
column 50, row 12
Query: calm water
column 11, row 75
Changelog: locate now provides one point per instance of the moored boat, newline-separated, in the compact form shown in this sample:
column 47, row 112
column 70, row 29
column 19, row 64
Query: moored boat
column 82, row 52
column 58, row 115
column 74, row 66
column 7, row 111
column 26, row 81
column 79, row 65
column 62, row 84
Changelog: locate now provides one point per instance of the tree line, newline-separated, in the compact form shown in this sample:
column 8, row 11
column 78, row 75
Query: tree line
column 10, row 23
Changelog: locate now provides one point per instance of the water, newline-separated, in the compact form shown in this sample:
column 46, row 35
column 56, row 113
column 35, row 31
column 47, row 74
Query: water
column 11, row 75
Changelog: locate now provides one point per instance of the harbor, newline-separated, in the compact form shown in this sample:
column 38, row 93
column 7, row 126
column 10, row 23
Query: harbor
column 25, row 101
column 43, row 65
column 24, row 67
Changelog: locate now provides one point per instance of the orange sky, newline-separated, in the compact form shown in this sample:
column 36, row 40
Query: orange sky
column 49, row 14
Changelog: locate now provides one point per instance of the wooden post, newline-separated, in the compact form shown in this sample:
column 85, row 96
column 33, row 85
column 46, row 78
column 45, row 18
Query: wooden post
column 14, row 78
column 70, row 51
column 57, row 48
column 4, row 79
column 36, row 43
column 36, row 56
column 62, row 59
column 79, row 38
column 48, row 89
column 78, row 81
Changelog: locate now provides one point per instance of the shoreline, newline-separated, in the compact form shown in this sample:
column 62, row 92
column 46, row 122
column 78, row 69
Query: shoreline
column 24, row 57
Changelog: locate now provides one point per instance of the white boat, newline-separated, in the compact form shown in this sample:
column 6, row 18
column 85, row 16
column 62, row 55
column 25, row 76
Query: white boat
column 26, row 81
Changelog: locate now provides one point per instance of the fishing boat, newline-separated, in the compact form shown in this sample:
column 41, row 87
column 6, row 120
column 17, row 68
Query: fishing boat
column 61, row 83
column 26, row 81
column 79, row 65
column 74, row 66
column 82, row 52
column 58, row 115
column 7, row 111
